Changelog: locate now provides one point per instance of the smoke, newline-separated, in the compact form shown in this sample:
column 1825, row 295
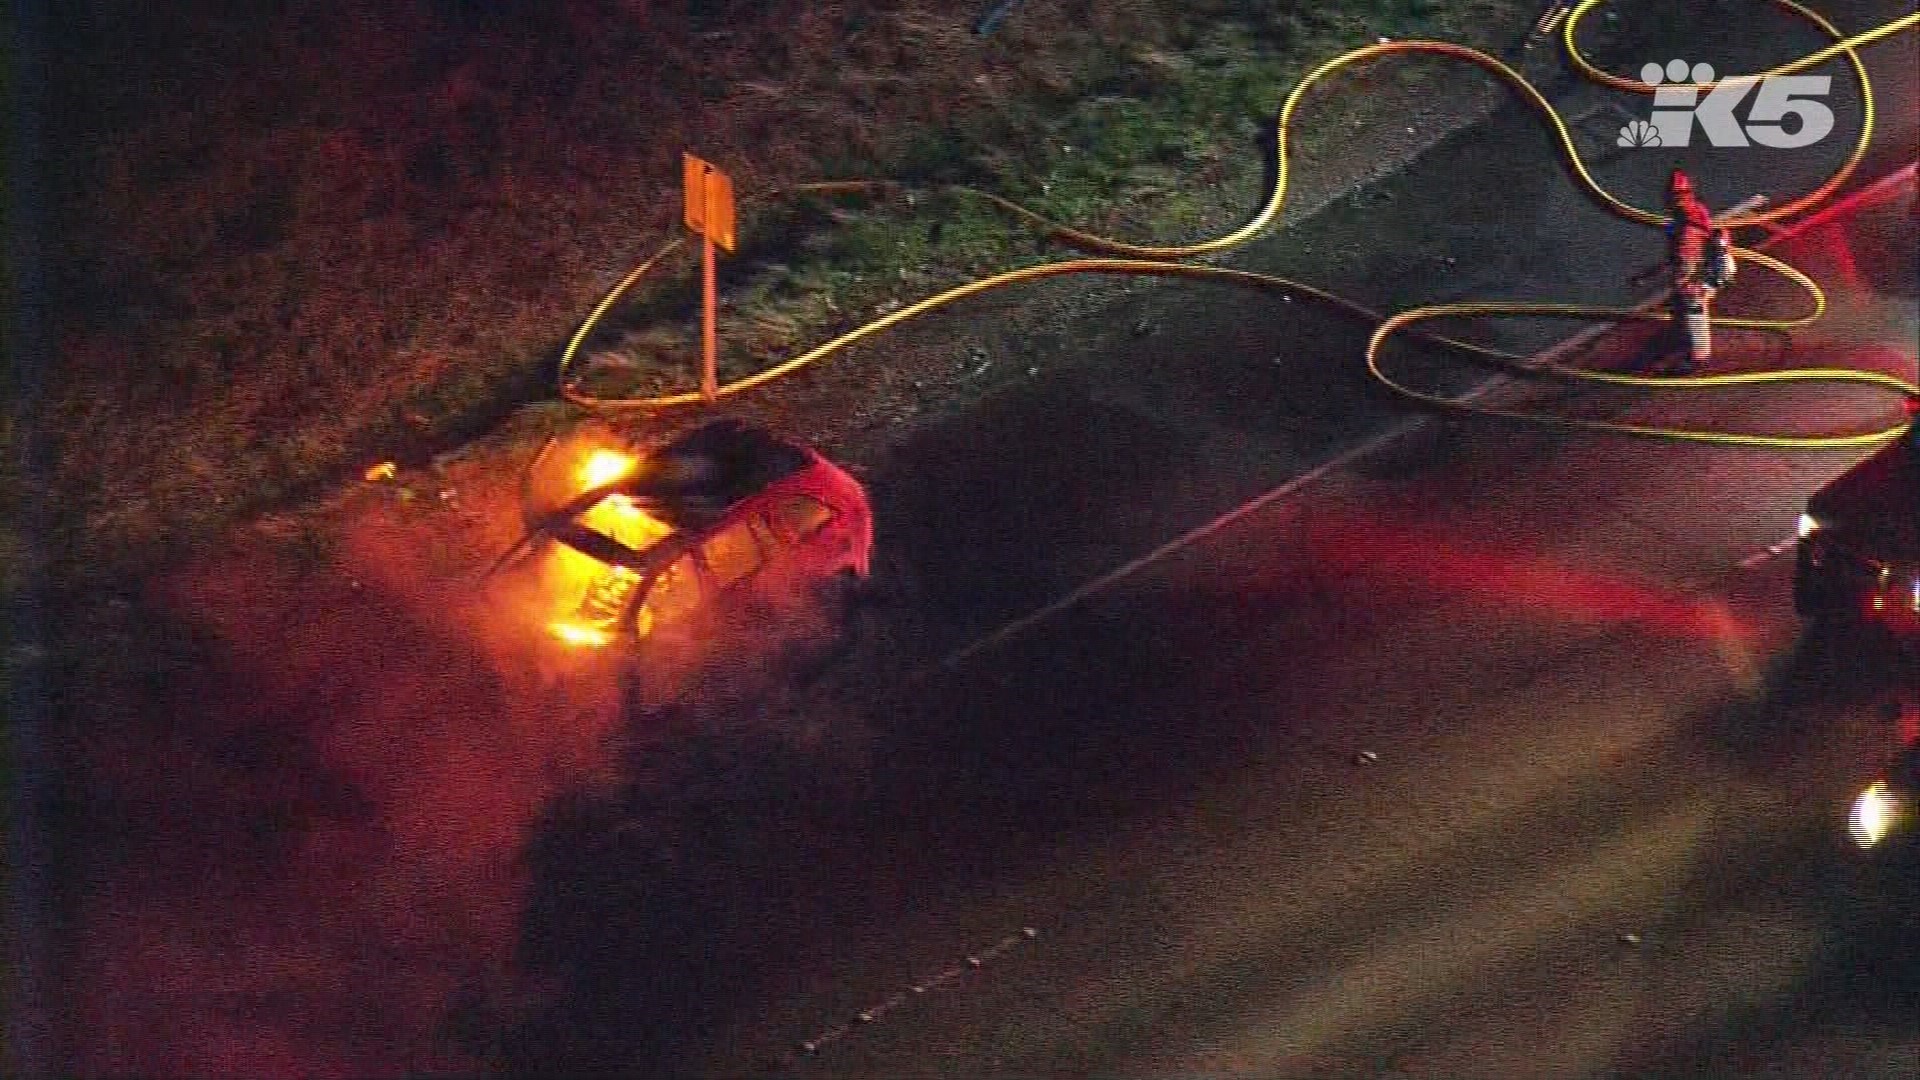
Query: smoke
column 307, row 848
column 324, row 825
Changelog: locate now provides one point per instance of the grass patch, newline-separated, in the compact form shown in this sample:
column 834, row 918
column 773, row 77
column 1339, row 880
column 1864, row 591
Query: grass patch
column 328, row 240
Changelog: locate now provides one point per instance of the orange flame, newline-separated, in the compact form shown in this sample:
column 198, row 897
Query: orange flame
column 604, row 467
column 578, row 580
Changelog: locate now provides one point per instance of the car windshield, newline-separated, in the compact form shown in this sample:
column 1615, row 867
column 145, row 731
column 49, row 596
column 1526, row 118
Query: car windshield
column 571, row 465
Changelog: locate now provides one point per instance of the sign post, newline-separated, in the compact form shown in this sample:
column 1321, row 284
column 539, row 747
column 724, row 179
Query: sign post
column 709, row 201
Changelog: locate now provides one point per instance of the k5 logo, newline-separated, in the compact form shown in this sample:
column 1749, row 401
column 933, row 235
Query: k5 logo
column 1781, row 97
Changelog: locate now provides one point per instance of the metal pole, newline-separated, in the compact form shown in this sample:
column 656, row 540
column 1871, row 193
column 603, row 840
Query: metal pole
column 709, row 376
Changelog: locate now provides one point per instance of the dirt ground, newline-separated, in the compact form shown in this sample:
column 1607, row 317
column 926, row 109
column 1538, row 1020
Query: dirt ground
column 299, row 842
column 343, row 823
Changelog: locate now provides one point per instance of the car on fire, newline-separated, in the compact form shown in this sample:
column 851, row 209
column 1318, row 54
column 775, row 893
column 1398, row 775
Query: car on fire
column 1858, row 563
column 728, row 522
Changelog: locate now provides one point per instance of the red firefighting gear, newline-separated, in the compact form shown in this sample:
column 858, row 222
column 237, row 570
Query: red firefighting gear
column 1700, row 257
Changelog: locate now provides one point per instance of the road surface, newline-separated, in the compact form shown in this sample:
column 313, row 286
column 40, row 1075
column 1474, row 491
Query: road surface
column 1491, row 753
column 1481, row 754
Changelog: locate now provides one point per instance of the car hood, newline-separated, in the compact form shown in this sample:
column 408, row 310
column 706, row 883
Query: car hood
column 1874, row 508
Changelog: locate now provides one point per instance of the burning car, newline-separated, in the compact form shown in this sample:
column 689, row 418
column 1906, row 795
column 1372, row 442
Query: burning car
column 727, row 522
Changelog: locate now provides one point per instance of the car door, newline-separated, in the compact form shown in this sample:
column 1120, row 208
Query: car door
column 734, row 556
column 674, row 600
column 811, row 530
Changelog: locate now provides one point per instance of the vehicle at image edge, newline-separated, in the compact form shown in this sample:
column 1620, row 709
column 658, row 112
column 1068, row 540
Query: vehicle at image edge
column 1884, row 823
column 724, row 523
column 1886, row 815
column 1858, row 563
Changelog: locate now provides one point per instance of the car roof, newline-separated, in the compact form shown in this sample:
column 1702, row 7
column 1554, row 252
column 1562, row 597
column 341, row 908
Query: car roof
column 697, row 482
column 694, row 480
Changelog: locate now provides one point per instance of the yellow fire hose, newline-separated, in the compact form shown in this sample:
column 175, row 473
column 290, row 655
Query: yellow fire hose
column 1161, row 261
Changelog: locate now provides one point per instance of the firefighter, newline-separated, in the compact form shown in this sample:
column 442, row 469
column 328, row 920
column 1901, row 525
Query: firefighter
column 1699, row 264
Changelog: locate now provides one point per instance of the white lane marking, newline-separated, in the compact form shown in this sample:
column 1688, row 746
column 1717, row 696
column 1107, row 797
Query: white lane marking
column 1906, row 174
column 841, row 1029
column 1111, row 577
column 1486, row 386
column 1773, row 552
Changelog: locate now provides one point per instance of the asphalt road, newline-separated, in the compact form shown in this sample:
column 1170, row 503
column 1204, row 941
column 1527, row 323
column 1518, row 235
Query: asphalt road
column 1219, row 394
column 334, row 832
column 1492, row 753
column 1600, row 833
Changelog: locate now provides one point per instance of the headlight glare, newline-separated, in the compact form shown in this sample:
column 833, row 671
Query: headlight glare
column 1877, row 812
column 1808, row 526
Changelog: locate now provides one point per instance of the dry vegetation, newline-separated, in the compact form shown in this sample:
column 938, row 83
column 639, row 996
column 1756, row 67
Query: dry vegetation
column 299, row 237
column 296, row 238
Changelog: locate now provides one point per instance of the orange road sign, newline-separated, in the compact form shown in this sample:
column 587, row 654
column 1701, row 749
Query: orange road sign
column 709, row 201
column 710, row 213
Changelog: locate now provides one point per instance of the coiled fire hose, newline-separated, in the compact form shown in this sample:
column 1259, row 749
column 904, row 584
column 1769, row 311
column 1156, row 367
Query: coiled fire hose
column 1122, row 257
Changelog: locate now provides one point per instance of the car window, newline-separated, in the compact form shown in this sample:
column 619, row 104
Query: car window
column 675, row 593
column 770, row 542
column 731, row 553
column 801, row 516
column 620, row 518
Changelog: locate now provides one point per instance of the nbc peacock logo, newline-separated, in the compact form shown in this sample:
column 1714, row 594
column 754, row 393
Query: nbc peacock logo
column 1638, row 134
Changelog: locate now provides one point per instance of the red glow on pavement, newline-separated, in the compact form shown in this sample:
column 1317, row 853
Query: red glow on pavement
column 1399, row 556
column 1832, row 260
